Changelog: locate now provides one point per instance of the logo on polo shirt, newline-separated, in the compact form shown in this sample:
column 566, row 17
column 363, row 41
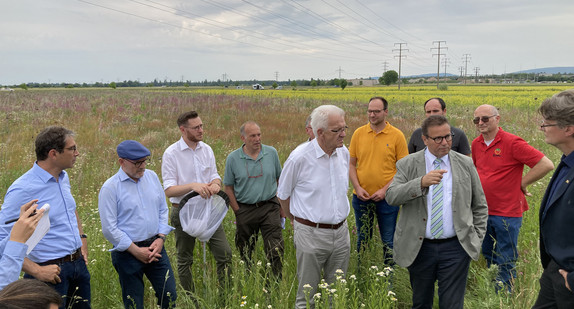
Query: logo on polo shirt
column 497, row 152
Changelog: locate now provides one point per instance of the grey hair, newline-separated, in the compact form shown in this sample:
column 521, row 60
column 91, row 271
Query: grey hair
column 559, row 108
column 320, row 116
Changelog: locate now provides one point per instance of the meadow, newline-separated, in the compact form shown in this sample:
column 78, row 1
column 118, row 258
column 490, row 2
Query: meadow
column 102, row 118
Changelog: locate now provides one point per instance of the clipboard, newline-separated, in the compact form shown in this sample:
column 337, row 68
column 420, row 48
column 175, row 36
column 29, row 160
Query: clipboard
column 41, row 229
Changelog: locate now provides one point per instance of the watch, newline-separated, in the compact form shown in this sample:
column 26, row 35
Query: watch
column 83, row 236
column 161, row 237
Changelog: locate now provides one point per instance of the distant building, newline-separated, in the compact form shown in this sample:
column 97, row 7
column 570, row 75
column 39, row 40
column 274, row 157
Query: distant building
column 257, row 87
column 363, row 82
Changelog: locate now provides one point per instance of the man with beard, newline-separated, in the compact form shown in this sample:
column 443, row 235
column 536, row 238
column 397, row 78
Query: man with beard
column 375, row 148
column 189, row 165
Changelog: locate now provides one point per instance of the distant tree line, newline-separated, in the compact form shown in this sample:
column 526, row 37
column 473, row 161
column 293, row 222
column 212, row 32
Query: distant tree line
column 390, row 78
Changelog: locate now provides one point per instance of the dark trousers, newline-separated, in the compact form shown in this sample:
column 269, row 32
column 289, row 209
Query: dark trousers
column 446, row 262
column 553, row 292
column 266, row 218
column 131, row 271
column 185, row 244
column 75, row 285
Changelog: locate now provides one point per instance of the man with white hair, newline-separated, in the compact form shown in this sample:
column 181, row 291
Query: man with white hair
column 313, row 193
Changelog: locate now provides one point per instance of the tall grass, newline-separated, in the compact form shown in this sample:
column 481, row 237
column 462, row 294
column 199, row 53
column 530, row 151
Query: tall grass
column 104, row 117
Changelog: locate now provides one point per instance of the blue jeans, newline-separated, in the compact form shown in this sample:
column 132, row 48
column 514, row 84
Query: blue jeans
column 75, row 285
column 131, row 270
column 499, row 247
column 386, row 218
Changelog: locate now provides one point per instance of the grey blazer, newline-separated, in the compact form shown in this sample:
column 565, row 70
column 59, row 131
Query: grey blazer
column 469, row 208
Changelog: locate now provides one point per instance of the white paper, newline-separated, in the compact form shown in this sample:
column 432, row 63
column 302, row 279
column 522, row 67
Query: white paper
column 41, row 229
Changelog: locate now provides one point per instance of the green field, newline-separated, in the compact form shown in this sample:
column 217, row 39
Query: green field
column 104, row 117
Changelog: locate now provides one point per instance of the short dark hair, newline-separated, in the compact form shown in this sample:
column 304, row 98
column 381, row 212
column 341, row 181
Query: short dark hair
column 559, row 108
column 53, row 137
column 433, row 121
column 385, row 103
column 441, row 101
column 183, row 118
column 28, row 293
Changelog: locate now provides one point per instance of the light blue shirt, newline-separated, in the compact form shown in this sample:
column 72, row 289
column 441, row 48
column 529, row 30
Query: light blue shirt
column 132, row 211
column 64, row 236
column 12, row 256
column 447, row 223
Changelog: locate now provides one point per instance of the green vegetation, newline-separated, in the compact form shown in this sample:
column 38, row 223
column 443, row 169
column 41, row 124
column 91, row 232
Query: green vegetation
column 104, row 117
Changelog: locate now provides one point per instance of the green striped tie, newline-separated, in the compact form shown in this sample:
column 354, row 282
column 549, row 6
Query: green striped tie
column 437, row 201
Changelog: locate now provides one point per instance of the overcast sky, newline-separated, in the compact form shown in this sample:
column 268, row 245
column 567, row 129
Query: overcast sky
column 116, row 40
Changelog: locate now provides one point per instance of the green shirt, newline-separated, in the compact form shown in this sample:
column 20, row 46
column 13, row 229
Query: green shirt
column 253, row 180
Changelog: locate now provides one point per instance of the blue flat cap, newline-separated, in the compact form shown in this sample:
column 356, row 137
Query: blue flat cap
column 132, row 150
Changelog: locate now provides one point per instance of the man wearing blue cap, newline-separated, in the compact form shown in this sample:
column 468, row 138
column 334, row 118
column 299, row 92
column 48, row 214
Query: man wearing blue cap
column 134, row 215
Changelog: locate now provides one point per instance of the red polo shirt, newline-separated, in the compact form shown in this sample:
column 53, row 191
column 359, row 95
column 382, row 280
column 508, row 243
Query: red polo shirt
column 500, row 166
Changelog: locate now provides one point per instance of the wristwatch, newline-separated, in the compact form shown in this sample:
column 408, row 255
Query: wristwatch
column 161, row 237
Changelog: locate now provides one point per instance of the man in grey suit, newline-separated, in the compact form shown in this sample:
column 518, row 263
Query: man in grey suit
column 443, row 217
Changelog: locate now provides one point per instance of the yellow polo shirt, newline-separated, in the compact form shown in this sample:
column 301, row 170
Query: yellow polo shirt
column 377, row 155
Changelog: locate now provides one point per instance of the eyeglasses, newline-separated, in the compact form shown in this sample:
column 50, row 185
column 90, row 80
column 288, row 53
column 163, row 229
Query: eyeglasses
column 260, row 169
column 543, row 125
column 439, row 139
column 138, row 163
column 73, row 148
column 196, row 128
column 484, row 119
column 374, row 111
column 338, row 131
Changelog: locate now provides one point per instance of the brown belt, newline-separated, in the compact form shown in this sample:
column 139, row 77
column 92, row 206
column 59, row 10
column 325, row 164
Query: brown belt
column 68, row 258
column 319, row 225
column 175, row 205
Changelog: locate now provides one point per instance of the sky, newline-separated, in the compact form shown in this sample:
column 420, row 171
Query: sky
column 89, row 41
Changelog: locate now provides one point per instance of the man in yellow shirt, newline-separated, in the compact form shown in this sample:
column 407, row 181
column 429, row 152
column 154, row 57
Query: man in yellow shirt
column 375, row 148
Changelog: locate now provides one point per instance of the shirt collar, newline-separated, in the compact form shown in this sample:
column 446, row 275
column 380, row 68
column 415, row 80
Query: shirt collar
column 385, row 130
column 124, row 177
column 261, row 154
column 430, row 157
column 183, row 145
column 319, row 152
column 44, row 175
column 568, row 160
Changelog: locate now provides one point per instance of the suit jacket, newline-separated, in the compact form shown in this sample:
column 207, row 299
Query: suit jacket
column 470, row 211
column 556, row 229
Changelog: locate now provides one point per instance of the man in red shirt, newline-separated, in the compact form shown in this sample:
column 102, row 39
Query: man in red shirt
column 499, row 158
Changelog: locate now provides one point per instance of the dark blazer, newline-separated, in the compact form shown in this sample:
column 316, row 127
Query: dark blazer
column 470, row 211
column 557, row 226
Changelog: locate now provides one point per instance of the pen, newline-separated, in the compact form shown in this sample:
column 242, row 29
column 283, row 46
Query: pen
column 14, row 220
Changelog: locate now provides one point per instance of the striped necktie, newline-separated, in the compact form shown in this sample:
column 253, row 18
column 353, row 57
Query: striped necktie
column 437, row 201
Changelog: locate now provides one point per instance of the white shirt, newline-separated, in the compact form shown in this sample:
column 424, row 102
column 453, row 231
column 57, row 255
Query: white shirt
column 447, row 224
column 181, row 165
column 316, row 183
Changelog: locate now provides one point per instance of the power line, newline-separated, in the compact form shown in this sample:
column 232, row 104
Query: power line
column 400, row 58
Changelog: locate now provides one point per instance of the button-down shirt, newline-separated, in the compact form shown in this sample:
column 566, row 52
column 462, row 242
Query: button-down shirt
column 447, row 223
column 12, row 256
column 63, row 238
column 316, row 183
column 132, row 211
column 182, row 165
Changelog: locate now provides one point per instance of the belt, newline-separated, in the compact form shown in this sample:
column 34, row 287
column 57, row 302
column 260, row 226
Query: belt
column 261, row 203
column 319, row 225
column 440, row 240
column 176, row 205
column 68, row 258
column 147, row 242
